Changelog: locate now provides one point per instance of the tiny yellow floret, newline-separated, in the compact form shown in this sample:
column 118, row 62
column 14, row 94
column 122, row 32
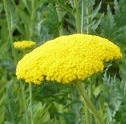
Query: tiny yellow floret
column 67, row 58
column 23, row 44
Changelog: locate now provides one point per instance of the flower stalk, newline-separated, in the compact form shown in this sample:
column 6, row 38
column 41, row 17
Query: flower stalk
column 30, row 37
column 59, row 17
column 30, row 104
column 77, row 16
column 89, row 104
column 87, row 19
column 82, row 17
column 9, row 26
column 31, row 28
column 24, row 102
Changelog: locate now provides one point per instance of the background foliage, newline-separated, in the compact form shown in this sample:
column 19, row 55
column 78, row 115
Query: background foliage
column 42, row 20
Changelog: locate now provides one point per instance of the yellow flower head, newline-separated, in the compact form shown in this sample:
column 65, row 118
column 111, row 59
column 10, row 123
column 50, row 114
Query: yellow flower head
column 67, row 58
column 23, row 44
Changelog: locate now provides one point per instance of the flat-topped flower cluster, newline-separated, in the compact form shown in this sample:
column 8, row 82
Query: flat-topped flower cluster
column 67, row 58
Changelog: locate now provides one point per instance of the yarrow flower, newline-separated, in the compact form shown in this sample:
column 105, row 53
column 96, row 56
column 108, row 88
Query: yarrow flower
column 67, row 58
column 23, row 44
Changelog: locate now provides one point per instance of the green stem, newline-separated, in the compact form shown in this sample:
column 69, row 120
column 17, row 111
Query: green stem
column 82, row 17
column 32, row 19
column 87, row 19
column 10, row 30
column 30, row 103
column 30, row 37
column 89, row 104
column 88, row 115
column 24, row 102
column 58, row 11
column 77, row 16
column 90, row 94
column 87, row 119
